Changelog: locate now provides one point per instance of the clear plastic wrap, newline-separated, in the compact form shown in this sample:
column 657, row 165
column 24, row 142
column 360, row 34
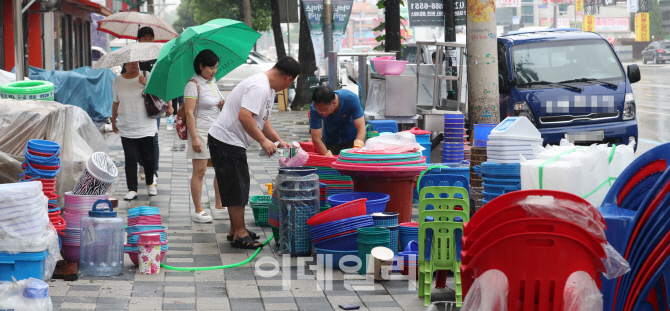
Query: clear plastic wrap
column 581, row 293
column 581, row 215
column 69, row 126
column 488, row 293
column 298, row 198
column 293, row 157
column 398, row 142
column 10, row 168
column 25, row 295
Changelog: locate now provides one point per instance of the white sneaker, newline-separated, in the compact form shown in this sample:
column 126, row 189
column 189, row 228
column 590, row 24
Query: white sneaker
column 220, row 214
column 152, row 190
column 202, row 217
column 132, row 195
column 142, row 175
column 155, row 180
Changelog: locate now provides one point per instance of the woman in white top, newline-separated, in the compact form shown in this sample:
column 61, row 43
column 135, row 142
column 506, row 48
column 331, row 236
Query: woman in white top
column 203, row 103
column 136, row 129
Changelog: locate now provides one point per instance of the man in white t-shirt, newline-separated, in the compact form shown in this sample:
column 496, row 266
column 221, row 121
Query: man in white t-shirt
column 243, row 120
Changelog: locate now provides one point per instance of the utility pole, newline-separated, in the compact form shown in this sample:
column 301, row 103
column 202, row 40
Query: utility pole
column 482, row 60
column 327, row 26
column 150, row 7
column 246, row 5
column 555, row 22
column 18, row 41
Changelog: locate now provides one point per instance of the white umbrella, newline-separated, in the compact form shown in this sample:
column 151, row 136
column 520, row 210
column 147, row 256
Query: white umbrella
column 127, row 24
column 136, row 52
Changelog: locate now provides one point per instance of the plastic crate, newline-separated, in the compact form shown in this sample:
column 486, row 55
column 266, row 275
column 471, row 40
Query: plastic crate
column 259, row 205
column 23, row 265
column 260, row 200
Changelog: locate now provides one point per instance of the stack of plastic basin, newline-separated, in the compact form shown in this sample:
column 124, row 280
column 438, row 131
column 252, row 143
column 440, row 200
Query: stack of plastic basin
column 409, row 231
column 369, row 238
column 376, row 202
column 513, row 137
column 384, row 126
column 423, row 138
column 333, row 232
column 42, row 163
column 499, row 179
column 323, row 194
column 336, row 183
column 389, row 220
column 144, row 219
column 298, row 195
column 453, row 147
column 76, row 207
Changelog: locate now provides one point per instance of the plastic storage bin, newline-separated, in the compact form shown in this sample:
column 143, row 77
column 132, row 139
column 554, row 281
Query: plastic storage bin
column 23, row 265
column 381, row 126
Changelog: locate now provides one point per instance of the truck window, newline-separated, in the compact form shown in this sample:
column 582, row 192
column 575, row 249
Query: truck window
column 502, row 60
column 558, row 61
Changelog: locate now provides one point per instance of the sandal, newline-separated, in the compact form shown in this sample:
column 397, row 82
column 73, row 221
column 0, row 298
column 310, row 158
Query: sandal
column 252, row 234
column 246, row 242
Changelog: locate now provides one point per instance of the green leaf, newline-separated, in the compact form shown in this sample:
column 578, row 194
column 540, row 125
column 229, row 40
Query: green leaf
column 380, row 27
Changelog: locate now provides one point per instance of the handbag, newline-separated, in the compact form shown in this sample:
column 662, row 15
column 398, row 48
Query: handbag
column 181, row 116
column 155, row 106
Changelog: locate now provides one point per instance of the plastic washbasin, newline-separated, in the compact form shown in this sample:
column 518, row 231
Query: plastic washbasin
column 376, row 202
column 351, row 209
column 389, row 65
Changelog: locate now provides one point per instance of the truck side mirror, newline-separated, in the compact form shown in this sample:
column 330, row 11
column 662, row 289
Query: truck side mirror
column 504, row 84
column 633, row 73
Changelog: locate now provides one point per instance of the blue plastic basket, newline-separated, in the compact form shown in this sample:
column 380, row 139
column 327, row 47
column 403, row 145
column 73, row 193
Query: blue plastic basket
column 490, row 196
column 482, row 131
column 503, row 181
column 345, row 242
column 334, row 262
column 294, row 228
column 386, row 220
column 23, row 266
column 449, row 117
column 499, row 189
column 394, row 237
column 496, row 170
column 405, row 237
column 376, row 201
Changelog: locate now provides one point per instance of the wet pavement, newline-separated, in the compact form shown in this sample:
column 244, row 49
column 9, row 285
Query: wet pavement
column 652, row 99
column 285, row 284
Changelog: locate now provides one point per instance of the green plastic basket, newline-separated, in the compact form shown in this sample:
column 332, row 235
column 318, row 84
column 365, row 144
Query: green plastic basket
column 324, row 208
column 275, row 234
column 370, row 133
column 259, row 205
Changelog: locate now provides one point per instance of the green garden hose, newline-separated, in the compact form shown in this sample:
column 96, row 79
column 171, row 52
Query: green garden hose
column 219, row 267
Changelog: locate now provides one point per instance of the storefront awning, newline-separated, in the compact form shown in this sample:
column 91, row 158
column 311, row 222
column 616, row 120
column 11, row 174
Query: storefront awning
column 90, row 7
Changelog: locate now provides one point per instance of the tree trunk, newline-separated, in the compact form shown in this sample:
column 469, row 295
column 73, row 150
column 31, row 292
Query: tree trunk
column 392, row 20
column 150, row 7
column 307, row 64
column 246, row 4
column 276, row 29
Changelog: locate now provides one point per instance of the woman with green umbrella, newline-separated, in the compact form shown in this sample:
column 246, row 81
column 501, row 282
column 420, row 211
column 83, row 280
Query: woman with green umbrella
column 203, row 103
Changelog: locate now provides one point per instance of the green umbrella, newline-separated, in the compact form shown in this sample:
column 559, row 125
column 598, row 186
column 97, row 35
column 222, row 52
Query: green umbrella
column 231, row 40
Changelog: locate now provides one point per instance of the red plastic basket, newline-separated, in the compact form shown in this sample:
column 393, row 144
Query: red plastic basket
column 347, row 210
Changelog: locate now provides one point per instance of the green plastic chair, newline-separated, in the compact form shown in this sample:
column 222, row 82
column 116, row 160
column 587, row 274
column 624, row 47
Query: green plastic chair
column 436, row 191
column 442, row 256
column 444, row 204
column 443, row 215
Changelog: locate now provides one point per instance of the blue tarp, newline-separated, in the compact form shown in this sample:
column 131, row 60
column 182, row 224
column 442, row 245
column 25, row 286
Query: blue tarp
column 88, row 89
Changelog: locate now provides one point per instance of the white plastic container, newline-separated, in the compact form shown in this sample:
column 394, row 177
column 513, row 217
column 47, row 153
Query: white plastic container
column 518, row 128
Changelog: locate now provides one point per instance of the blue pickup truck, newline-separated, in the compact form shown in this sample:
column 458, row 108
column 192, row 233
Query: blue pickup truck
column 570, row 84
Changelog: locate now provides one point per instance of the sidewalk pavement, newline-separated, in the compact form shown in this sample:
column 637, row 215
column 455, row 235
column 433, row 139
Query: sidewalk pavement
column 199, row 245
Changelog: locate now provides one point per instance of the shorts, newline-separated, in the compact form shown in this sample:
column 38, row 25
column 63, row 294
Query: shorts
column 202, row 136
column 337, row 148
column 232, row 172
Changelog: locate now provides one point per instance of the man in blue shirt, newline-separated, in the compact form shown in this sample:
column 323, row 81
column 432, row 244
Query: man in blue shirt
column 336, row 121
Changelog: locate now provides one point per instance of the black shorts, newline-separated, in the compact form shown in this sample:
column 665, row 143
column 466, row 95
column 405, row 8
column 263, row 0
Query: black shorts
column 337, row 148
column 232, row 172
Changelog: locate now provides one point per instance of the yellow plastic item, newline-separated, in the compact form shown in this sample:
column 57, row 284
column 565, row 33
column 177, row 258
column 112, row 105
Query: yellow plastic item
column 269, row 185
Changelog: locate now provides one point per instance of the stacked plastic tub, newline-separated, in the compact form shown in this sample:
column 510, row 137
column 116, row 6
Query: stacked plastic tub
column 42, row 163
column 323, row 195
column 478, row 156
column 499, row 179
column 141, row 220
column 513, row 137
column 336, row 183
column 409, row 231
column 333, row 232
column 369, row 238
column 298, row 196
column 453, row 148
column 76, row 207
column 389, row 220
column 27, row 239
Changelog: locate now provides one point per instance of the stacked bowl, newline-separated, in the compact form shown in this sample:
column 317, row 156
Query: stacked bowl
column 376, row 202
column 141, row 220
column 389, row 220
column 42, row 163
column 22, row 214
column 453, row 148
column 409, row 259
column 323, row 194
column 335, row 182
column 333, row 231
column 76, row 207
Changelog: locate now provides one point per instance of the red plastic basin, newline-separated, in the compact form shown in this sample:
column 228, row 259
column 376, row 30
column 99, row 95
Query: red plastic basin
column 347, row 210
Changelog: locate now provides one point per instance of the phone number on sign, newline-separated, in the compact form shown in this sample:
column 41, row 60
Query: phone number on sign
column 426, row 6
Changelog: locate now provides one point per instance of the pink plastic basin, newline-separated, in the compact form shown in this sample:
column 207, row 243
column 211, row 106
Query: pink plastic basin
column 388, row 65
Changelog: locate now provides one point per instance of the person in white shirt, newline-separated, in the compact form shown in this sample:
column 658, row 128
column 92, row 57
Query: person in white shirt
column 203, row 105
column 136, row 129
column 245, row 119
